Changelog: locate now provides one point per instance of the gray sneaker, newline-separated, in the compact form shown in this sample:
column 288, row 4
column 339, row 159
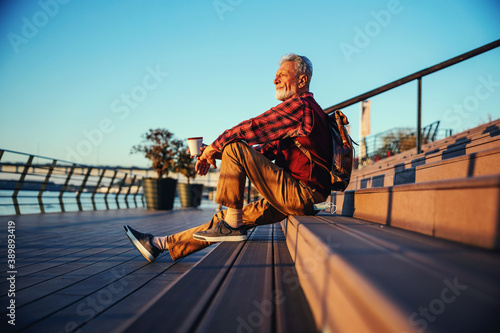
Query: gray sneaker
column 222, row 232
column 143, row 243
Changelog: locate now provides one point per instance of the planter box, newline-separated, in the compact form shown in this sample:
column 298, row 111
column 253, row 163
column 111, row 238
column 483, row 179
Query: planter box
column 190, row 194
column 159, row 193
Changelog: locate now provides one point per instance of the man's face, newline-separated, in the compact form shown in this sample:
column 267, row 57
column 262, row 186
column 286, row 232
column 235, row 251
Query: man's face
column 286, row 81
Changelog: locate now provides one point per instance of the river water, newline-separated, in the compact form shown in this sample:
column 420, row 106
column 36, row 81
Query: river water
column 29, row 202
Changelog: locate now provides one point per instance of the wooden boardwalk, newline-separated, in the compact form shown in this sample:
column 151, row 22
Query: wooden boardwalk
column 79, row 272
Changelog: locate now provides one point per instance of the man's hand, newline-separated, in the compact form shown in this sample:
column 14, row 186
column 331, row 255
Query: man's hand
column 208, row 156
column 202, row 168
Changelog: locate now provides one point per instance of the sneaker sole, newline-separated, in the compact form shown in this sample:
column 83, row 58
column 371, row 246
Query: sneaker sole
column 145, row 253
column 221, row 238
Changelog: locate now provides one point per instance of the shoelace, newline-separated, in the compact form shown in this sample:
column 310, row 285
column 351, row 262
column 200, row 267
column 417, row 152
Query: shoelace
column 224, row 223
column 221, row 224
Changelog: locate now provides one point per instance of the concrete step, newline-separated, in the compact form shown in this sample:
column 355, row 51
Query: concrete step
column 461, row 210
column 491, row 129
column 360, row 277
column 454, row 149
column 475, row 164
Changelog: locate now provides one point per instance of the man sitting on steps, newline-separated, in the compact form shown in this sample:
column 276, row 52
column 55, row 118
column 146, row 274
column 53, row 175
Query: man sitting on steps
column 289, row 186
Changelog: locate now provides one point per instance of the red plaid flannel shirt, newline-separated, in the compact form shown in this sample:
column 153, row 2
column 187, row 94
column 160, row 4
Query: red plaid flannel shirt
column 292, row 118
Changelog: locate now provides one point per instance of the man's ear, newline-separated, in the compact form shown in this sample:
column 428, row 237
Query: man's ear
column 302, row 81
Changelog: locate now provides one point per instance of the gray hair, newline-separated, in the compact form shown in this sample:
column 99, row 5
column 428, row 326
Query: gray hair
column 302, row 65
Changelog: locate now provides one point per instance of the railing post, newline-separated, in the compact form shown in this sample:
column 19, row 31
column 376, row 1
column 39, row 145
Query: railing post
column 129, row 189
column 65, row 186
column 44, row 186
column 137, row 192
column 97, row 187
column 109, row 189
column 20, row 184
column 119, row 190
column 419, row 116
column 434, row 134
column 82, row 187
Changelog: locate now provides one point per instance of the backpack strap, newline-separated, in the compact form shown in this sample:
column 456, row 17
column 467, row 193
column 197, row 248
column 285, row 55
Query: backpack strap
column 312, row 159
column 341, row 121
column 307, row 153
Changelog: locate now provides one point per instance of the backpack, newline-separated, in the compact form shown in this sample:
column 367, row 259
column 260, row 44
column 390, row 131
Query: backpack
column 342, row 152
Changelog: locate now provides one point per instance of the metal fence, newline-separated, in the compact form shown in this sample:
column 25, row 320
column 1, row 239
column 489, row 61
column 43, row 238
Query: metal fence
column 396, row 140
column 36, row 184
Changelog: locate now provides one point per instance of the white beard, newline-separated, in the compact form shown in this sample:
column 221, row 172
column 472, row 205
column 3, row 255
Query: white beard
column 283, row 95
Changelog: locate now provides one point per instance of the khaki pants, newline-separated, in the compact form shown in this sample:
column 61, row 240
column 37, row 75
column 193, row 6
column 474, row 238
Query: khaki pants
column 282, row 195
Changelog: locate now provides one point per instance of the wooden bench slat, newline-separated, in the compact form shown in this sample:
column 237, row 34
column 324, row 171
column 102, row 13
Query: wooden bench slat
column 182, row 305
column 293, row 313
column 244, row 302
column 380, row 278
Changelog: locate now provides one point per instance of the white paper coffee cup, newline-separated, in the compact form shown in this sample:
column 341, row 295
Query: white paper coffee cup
column 195, row 145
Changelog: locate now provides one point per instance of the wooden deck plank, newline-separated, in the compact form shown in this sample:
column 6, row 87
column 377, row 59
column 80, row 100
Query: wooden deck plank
column 107, row 289
column 50, row 245
column 293, row 313
column 182, row 305
column 82, row 280
column 122, row 314
column 110, row 285
column 92, row 249
column 233, row 290
column 50, row 262
column 245, row 301
column 53, row 247
column 57, row 271
column 47, row 263
column 55, row 276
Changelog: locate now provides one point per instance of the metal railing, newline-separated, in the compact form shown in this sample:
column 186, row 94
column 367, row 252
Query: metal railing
column 394, row 141
column 415, row 76
column 36, row 184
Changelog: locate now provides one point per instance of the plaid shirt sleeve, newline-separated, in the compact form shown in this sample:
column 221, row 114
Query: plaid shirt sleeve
column 269, row 149
column 292, row 118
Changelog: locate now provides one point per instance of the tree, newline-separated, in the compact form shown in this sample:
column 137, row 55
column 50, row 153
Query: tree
column 160, row 147
column 397, row 141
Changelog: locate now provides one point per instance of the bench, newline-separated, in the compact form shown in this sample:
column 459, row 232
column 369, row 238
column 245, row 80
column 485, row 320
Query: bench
column 360, row 276
column 414, row 245
column 462, row 210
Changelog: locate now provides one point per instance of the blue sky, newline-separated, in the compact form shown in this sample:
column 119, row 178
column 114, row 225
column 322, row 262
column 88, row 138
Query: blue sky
column 82, row 80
